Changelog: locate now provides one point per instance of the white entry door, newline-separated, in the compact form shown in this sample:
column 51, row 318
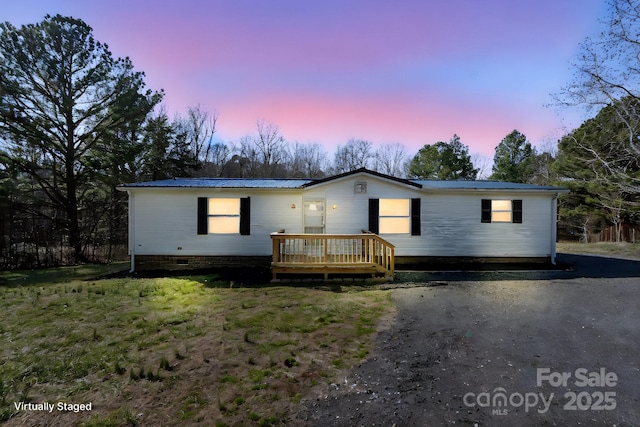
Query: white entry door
column 314, row 217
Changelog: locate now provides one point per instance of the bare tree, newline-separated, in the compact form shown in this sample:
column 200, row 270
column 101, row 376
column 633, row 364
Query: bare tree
column 483, row 164
column 308, row 160
column 355, row 154
column 271, row 147
column 199, row 127
column 246, row 160
column 542, row 172
column 614, row 207
column 391, row 159
column 607, row 74
column 218, row 159
column 264, row 154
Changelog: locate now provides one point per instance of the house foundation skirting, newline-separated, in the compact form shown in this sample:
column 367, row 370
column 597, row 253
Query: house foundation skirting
column 197, row 262
column 456, row 260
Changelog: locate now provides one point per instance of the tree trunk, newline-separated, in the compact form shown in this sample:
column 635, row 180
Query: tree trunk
column 73, row 223
column 585, row 231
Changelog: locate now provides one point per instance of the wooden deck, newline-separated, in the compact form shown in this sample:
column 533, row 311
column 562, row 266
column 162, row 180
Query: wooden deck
column 336, row 254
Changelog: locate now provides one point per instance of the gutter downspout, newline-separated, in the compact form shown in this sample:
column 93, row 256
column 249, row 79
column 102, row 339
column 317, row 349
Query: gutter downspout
column 132, row 239
column 554, row 227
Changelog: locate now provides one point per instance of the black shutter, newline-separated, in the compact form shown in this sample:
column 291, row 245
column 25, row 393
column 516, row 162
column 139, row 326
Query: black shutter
column 415, row 217
column 202, row 216
column 374, row 215
column 245, row 216
column 486, row 210
column 516, row 207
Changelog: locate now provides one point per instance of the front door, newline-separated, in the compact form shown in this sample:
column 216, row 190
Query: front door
column 314, row 217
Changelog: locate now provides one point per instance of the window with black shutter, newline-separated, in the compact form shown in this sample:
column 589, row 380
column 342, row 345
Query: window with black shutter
column 415, row 217
column 374, row 209
column 202, row 216
column 394, row 216
column 517, row 211
column 223, row 215
column 501, row 211
column 486, row 210
column 245, row 216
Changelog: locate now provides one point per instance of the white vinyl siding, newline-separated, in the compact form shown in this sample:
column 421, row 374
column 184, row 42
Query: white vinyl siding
column 347, row 211
column 451, row 226
column 165, row 220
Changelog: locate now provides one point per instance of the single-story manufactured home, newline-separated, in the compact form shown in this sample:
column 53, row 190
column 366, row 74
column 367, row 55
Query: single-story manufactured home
column 351, row 219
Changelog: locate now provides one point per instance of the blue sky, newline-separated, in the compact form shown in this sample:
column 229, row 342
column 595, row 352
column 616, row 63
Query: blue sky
column 413, row 72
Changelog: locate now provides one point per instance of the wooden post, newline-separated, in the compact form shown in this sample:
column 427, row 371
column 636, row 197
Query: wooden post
column 275, row 252
column 325, row 251
column 275, row 248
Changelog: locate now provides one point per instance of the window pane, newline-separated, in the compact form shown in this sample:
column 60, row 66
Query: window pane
column 313, row 220
column 394, row 207
column 224, row 206
column 395, row 225
column 501, row 205
column 500, row 216
column 224, row 224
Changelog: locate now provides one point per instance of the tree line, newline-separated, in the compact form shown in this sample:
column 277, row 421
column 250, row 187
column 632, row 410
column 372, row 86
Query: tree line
column 75, row 122
column 600, row 160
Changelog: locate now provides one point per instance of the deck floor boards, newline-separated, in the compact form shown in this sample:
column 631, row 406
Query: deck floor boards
column 331, row 254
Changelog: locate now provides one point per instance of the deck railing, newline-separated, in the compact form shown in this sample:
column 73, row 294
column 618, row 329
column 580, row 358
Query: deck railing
column 332, row 250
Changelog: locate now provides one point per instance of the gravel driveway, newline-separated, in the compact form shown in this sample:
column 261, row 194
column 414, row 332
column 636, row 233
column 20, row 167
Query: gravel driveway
column 494, row 348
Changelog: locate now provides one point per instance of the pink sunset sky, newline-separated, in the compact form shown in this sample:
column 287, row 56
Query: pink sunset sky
column 413, row 72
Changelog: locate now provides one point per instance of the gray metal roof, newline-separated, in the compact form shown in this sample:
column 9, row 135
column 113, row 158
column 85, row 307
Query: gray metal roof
column 222, row 183
column 293, row 183
column 483, row 185
column 364, row 171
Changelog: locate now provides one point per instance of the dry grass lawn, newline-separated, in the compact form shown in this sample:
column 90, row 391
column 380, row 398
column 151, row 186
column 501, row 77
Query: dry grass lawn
column 618, row 250
column 175, row 351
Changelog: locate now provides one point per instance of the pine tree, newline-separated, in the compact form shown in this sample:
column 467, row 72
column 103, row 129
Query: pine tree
column 61, row 94
column 513, row 158
column 443, row 160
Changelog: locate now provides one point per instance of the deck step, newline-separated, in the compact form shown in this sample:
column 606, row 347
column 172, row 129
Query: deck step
column 333, row 269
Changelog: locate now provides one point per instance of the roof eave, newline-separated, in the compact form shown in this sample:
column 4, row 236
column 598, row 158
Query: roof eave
column 494, row 190
column 362, row 171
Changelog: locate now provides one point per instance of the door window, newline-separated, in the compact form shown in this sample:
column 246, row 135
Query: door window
column 314, row 217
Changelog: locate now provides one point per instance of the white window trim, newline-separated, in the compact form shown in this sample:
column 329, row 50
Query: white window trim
column 231, row 216
column 406, row 218
column 497, row 211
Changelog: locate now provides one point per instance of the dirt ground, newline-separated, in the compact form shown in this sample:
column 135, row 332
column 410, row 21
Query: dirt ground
column 526, row 348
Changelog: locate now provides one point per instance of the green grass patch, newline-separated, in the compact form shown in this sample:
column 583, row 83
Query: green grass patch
column 118, row 418
column 60, row 274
